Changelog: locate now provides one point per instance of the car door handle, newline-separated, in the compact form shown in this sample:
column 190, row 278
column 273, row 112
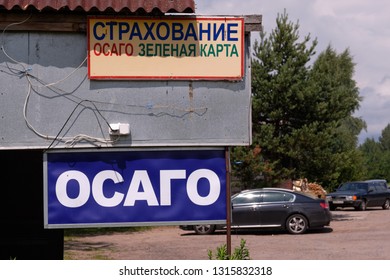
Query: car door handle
column 285, row 206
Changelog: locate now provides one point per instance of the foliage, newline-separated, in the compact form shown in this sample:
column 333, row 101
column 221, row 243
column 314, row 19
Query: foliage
column 240, row 253
column 372, row 155
column 337, row 98
column 250, row 166
column 279, row 83
column 384, row 139
column 302, row 113
column 377, row 156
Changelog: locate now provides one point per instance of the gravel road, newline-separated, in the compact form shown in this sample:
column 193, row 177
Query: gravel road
column 352, row 235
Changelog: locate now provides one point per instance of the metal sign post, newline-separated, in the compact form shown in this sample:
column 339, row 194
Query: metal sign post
column 228, row 203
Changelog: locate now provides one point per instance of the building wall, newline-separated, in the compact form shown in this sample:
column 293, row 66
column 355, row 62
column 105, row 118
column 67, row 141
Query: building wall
column 47, row 101
column 44, row 77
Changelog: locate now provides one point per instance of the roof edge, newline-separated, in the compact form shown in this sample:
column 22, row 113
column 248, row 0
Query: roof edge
column 116, row 6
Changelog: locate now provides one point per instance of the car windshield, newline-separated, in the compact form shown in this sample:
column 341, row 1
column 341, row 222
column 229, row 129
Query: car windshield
column 361, row 187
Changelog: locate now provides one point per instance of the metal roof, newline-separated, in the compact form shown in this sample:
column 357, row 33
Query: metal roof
column 132, row 6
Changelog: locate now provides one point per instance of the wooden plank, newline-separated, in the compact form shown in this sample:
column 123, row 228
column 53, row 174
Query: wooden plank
column 43, row 22
column 253, row 23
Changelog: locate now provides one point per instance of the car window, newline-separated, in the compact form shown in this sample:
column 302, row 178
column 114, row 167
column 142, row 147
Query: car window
column 247, row 198
column 381, row 187
column 277, row 197
column 354, row 187
column 361, row 187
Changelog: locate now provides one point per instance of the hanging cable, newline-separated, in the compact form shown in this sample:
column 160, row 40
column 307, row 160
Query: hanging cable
column 3, row 43
column 26, row 72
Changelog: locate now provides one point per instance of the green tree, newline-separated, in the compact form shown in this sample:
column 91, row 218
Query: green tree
column 384, row 139
column 373, row 154
column 377, row 156
column 336, row 93
column 279, row 87
column 252, row 170
column 336, row 99
column 302, row 123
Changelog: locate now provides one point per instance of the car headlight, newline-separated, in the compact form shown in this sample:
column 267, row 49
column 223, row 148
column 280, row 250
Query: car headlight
column 351, row 197
column 328, row 198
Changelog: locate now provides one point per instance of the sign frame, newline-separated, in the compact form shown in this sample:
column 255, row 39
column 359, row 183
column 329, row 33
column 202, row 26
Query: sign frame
column 120, row 53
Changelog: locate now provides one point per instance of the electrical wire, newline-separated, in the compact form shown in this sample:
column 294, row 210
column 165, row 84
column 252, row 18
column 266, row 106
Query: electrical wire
column 25, row 73
column 3, row 42
column 73, row 140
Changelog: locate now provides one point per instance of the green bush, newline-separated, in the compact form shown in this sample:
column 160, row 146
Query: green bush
column 240, row 253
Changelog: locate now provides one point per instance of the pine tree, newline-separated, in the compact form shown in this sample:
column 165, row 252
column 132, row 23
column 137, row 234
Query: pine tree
column 302, row 111
column 280, row 75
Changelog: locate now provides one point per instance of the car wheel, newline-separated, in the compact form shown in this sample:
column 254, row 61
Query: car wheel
column 296, row 224
column 386, row 205
column 362, row 206
column 204, row 229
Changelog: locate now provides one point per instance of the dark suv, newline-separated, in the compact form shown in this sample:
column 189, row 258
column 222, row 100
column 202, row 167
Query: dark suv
column 360, row 195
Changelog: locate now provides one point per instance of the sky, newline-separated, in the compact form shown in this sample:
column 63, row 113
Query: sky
column 362, row 26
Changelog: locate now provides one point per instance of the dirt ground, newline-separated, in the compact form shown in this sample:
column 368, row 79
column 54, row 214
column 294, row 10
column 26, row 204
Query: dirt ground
column 352, row 235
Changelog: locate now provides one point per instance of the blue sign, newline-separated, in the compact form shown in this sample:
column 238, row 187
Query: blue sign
column 112, row 188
